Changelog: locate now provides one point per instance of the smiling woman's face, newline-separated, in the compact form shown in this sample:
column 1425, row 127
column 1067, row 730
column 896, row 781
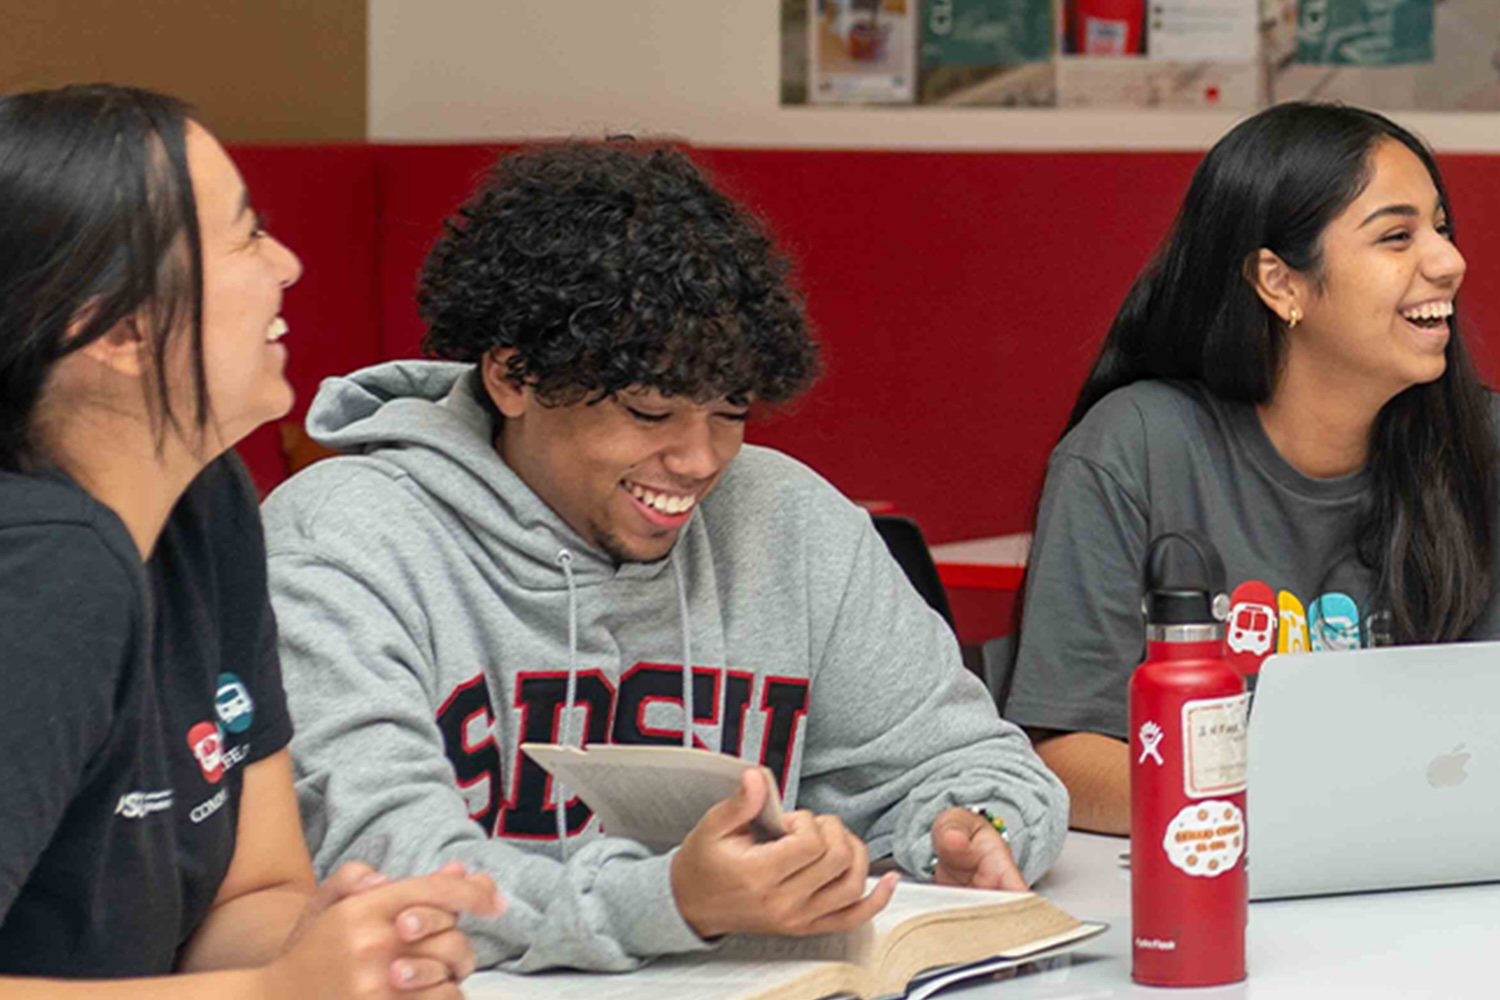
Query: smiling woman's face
column 245, row 270
column 1390, row 272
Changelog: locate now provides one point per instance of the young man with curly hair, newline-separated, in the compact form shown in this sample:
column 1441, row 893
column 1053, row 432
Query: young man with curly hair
column 556, row 534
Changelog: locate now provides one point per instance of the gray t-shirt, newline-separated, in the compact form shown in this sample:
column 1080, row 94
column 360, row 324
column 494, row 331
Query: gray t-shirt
column 1155, row 457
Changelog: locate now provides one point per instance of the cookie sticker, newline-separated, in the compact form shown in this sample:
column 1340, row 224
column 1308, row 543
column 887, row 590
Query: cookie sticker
column 1206, row 839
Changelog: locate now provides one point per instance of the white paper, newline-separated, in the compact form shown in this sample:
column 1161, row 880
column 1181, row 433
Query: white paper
column 1202, row 30
column 655, row 795
column 1215, row 735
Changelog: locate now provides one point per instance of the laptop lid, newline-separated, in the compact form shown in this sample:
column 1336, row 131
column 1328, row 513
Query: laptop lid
column 1374, row 769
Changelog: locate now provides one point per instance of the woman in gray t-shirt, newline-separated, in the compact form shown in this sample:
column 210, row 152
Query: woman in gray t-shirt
column 1286, row 375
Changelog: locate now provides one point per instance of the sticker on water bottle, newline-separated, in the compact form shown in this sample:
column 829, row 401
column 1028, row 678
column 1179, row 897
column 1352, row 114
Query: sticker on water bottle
column 1206, row 839
column 1213, row 740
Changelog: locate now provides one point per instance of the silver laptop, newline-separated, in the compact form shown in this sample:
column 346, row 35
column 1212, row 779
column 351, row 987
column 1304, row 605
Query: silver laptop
column 1375, row 769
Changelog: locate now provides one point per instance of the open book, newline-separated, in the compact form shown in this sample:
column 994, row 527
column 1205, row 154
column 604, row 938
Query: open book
column 653, row 794
column 927, row 938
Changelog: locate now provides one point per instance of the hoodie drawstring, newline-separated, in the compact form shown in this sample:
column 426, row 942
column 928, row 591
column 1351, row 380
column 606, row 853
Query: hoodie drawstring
column 687, row 654
column 560, row 792
column 689, row 708
column 564, row 560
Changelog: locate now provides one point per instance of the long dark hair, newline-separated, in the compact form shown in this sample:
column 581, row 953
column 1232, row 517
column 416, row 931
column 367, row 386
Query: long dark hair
column 1275, row 182
column 99, row 224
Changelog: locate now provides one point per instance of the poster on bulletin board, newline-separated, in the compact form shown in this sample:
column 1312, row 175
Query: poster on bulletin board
column 1440, row 55
column 995, row 52
column 1361, row 33
column 862, row 52
column 986, row 32
column 1160, row 53
column 1173, row 54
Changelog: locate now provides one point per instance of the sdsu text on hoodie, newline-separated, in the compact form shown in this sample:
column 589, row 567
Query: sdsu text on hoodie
column 435, row 613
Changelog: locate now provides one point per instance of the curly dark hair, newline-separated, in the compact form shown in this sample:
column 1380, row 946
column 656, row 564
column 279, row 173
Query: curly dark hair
column 614, row 265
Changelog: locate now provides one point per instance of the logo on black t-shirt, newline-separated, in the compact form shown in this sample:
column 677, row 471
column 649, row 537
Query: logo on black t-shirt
column 137, row 805
column 233, row 704
column 207, row 744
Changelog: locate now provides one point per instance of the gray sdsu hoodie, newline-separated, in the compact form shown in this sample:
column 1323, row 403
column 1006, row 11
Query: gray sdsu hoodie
column 434, row 614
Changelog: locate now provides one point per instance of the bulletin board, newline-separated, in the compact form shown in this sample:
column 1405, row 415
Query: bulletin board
column 1441, row 55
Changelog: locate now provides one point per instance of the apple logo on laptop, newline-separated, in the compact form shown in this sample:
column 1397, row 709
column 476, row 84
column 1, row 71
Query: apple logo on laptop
column 1447, row 770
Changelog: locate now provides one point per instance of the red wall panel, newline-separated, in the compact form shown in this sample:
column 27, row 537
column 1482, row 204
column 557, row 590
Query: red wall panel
column 959, row 296
column 1474, row 189
column 420, row 187
column 321, row 202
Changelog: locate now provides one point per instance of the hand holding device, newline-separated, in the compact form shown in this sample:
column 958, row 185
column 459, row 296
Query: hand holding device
column 809, row 881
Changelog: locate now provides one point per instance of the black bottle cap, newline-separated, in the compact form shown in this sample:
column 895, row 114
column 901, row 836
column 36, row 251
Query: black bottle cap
column 1180, row 607
column 1184, row 591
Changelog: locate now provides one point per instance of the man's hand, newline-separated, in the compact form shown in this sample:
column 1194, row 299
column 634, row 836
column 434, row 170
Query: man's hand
column 811, row 881
column 971, row 852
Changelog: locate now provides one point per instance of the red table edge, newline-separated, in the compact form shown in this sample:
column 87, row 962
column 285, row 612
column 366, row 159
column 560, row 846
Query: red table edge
column 980, row 576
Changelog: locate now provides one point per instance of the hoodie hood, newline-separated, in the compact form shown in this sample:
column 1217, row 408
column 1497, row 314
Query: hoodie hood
column 424, row 418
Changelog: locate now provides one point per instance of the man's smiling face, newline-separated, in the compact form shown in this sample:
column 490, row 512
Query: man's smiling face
column 625, row 472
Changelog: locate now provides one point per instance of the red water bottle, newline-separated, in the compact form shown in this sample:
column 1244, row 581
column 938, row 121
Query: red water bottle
column 1189, row 896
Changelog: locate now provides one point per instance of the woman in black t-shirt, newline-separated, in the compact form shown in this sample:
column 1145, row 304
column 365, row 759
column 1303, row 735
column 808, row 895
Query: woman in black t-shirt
column 149, row 824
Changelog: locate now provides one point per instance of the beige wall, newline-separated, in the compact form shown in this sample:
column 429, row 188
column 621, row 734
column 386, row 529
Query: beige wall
column 456, row 70
column 257, row 70
column 707, row 70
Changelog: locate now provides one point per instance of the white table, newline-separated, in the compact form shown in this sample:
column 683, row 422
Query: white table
column 1430, row 943
column 1413, row 945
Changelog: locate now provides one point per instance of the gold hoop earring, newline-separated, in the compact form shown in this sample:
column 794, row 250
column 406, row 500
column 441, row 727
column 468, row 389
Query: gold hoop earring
column 1294, row 318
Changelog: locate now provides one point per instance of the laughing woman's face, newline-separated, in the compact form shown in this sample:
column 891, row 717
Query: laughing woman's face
column 245, row 271
column 1390, row 274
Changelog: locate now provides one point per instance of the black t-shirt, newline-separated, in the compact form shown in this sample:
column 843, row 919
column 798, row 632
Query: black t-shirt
column 132, row 698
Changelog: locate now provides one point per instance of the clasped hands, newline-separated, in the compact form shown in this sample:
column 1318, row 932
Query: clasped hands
column 812, row 880
column 366, row 935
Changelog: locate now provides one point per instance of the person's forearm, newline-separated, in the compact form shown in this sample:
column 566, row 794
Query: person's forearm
column 246, row 932
column 243, row 984
column 222, row 958
column 1096, row 769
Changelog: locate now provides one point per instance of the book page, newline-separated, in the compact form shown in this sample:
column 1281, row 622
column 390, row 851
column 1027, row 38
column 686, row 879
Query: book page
column 851, row 946
column 683, row 977
column 652, row 794
column 911, row 899
column 928, row 984
column 973, row 930
column 749, row 967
